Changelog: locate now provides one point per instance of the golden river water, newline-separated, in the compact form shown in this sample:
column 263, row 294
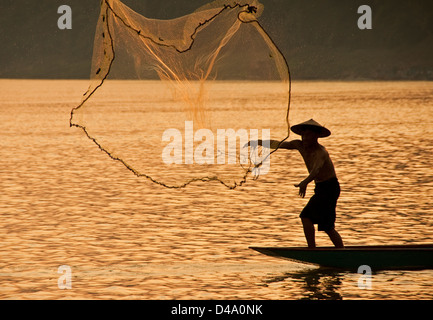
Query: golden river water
column 64, row 202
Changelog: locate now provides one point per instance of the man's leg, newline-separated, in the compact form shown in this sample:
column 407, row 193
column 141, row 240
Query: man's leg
column 309, row 232
column 335, row 238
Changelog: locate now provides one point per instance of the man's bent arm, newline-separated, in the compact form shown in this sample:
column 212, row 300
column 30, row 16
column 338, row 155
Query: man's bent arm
column 313, row 173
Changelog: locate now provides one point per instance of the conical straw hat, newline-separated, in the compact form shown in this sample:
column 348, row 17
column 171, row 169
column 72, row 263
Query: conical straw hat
column 311, row 125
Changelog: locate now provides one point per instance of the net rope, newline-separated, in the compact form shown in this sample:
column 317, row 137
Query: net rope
column 151, row 49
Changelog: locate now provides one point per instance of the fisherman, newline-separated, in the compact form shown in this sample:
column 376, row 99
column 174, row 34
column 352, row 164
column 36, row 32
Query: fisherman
column 321, row 207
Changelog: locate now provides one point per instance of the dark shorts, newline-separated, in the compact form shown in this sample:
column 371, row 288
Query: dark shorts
column 321, row 207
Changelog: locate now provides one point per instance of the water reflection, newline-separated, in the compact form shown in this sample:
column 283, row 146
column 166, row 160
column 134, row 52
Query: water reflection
column 315, row 284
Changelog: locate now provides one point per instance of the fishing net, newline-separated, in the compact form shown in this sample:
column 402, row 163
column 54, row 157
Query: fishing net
column 175, row 101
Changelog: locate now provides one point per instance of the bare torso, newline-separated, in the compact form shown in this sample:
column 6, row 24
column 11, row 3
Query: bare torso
column 317, row 156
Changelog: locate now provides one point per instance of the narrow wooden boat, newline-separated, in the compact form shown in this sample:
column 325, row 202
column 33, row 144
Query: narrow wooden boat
column 352, row 257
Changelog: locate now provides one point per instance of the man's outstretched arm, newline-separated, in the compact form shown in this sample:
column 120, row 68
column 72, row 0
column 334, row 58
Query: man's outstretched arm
column 274, row 144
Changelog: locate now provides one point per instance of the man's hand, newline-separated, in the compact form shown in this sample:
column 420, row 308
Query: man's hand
column 302, row 188
column 255, row 143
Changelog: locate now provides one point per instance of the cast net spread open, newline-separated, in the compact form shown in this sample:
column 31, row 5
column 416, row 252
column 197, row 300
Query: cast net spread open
column 175, row 101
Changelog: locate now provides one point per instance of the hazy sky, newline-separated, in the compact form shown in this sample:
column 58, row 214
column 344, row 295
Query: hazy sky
column 319, row 38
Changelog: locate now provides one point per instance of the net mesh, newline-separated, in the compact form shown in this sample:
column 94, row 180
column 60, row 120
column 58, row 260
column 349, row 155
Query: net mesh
column 175, row 101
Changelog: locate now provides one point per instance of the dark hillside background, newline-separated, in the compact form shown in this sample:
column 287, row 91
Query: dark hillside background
column 320, row 38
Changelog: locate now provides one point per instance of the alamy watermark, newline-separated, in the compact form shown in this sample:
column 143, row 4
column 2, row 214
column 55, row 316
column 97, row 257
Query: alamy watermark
column 364, row 281
column 365, row 21
column 222, row 149
column 65, row 280
column 65, row 20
